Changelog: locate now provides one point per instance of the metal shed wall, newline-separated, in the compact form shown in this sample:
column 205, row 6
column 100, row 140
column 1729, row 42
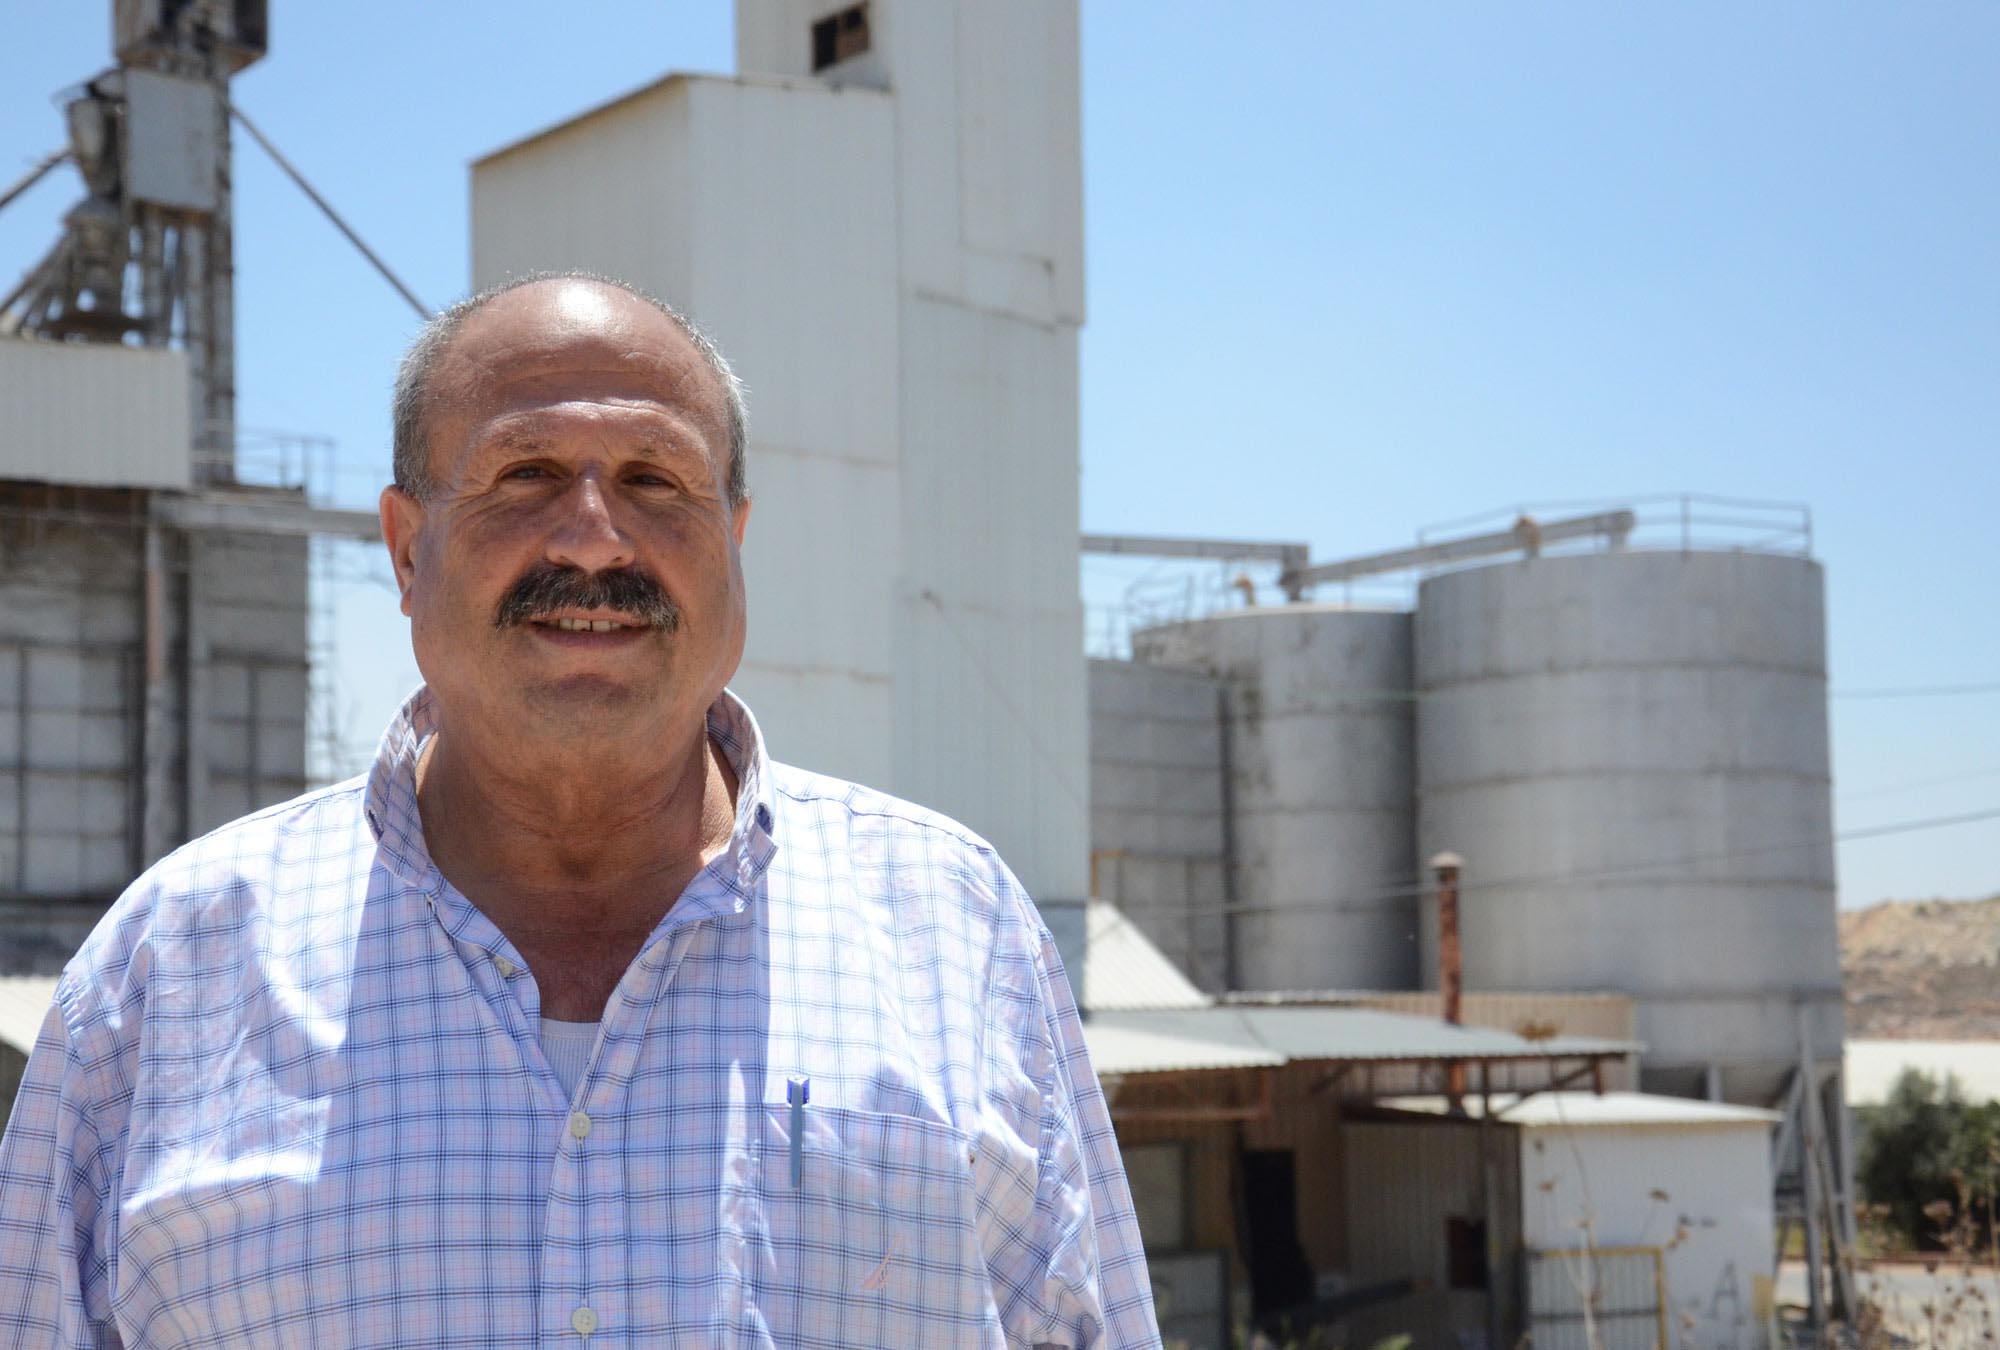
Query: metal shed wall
column 1642, row 1185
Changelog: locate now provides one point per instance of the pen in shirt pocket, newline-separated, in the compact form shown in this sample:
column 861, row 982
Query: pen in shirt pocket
column 798, row 1091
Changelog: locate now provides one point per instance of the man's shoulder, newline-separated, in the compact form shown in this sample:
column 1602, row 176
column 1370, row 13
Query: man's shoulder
column 870, row 808
column 215, row 881
column 898, row 841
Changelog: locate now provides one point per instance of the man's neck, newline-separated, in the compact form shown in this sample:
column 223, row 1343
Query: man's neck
column 575, row 855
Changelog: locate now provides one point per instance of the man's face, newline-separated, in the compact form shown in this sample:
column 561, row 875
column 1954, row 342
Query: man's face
column 576, row 571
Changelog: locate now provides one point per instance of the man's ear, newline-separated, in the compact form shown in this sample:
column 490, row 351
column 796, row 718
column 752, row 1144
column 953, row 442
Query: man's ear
column 402, row 524
column 741, row 517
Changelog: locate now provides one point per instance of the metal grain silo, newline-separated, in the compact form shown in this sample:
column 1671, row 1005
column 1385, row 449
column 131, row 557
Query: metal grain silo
column 1630, row 751
column 1318, row 747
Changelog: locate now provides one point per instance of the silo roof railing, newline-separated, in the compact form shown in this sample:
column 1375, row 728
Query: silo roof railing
column 1667, row 521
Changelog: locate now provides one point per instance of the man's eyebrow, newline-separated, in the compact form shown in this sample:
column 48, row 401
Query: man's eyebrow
column 514, row 440
column 660, row 445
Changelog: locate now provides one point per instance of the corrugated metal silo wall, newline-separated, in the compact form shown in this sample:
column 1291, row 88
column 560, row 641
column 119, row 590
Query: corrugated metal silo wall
column 1156, row 803
column 1320, row 749
column 1630, row 751
column 72, row 703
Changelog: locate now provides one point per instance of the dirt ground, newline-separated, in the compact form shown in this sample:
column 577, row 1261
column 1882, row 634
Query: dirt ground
column 1923, row 969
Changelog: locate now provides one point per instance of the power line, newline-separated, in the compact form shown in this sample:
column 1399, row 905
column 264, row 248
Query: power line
column 1417, row 889
column 1029, row 730
column 1910, row 786
column 1918, row 691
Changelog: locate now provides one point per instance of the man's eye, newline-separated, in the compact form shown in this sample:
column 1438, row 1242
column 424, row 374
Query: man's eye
column 527, row 471
column 649, row 480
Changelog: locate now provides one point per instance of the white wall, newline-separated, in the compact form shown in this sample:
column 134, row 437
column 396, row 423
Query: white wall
column 892, row 258
column 93, row 414
column 766, row 212
column 1716, row 1178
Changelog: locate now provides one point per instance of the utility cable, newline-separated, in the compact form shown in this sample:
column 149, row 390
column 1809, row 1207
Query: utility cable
column 1029, row 731
column 1912, row 785
column 423, row 312
column 1470, row 884
column 1918, row 691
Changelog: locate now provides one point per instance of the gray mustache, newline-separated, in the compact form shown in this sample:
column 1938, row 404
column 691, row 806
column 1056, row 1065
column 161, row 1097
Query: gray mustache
column 547, row 588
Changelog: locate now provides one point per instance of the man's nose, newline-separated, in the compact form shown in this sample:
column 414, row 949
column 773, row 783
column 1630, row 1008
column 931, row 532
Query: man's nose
column 587, row 536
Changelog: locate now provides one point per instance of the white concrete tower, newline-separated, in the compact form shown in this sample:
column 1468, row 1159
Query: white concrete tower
column 880, row 221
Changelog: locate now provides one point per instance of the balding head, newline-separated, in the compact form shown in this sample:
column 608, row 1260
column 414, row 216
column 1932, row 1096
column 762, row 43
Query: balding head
column 427, row 373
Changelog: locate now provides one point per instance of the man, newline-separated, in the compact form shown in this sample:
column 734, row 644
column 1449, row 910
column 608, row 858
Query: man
column 578, row 1019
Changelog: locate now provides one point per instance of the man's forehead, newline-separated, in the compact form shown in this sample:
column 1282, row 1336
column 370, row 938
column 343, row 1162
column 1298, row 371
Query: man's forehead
column 545, row 334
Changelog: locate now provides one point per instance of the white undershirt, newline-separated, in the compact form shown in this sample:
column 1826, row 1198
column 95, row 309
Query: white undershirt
column 567, row 1046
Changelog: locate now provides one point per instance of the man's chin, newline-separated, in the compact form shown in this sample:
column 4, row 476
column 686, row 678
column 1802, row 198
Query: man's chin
column 583, row 700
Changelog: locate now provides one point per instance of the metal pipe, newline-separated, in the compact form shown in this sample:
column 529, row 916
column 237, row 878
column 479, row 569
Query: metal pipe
column 1226, row 756
column 327, row 207
column 1248, row 1113
column 1614, row 525
column 35, row 175
column 155, row 827
column 195, row 682
column 1490, row 1209
column 191, row 281
column 154, row 299
column 1808, row 1149
column 21, row 721
column 1451, row 968
column 1451, row 960
column 34, row 280
column 219, row 416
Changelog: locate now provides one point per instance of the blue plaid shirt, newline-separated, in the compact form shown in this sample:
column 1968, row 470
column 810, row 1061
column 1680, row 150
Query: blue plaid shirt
column 291, row 1093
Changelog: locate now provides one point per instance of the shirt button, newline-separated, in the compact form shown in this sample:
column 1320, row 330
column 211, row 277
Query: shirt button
column 505, row 967
column 584, row 1320
column 579, row 1125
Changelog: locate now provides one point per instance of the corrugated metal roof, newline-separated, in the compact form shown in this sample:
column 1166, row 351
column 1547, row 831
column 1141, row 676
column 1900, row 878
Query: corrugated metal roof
column 1127, row 1043
column 1144, row 1016
column 24, row 1002
column 1363, row 1034
column 1123, row 970
column 1589, row 1110
column 1873, row 1066
column 1355, row 1035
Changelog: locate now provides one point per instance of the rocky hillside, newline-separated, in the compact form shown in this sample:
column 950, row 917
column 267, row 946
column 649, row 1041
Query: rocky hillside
column 1926, row 969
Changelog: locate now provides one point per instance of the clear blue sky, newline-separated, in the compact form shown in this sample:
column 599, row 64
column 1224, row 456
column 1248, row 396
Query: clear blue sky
column 1353, row 269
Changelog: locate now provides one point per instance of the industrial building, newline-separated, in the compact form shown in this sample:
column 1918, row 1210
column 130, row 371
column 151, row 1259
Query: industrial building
column 153, row 581
column 1627, row 746
column 1587, row 755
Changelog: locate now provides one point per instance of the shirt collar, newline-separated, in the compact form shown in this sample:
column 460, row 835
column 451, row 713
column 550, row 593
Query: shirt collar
column 391, row 800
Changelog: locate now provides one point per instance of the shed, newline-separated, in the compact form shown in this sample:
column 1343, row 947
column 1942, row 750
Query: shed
column 1649, row 1217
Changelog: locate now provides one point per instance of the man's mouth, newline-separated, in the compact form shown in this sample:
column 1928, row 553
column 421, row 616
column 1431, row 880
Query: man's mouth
column 585, row 625
column 560, row 599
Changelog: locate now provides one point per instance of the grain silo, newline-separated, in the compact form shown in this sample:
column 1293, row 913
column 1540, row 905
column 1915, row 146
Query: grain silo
column 1318, row 748
column 1629, row 749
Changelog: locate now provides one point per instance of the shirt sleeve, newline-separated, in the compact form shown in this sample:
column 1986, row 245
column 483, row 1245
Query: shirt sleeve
column 1086, row 1177
column 54, row 1205
column 1062, row 1244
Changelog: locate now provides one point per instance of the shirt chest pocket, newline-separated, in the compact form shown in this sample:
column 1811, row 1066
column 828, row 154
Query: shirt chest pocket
column 864, row 1233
